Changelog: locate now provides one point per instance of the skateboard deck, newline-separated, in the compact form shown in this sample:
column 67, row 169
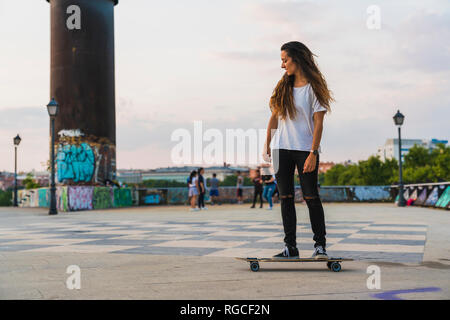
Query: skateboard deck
column 334, row 264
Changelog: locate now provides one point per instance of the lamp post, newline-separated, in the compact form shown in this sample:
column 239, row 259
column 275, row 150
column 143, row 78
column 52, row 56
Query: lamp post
column 398, row 120
column 16, row 140
column 52, row 109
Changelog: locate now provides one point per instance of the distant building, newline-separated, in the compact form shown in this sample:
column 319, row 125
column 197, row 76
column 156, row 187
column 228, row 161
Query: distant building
column 7, row 179
column 129, row 176
column 325, row 166
column 390, row 148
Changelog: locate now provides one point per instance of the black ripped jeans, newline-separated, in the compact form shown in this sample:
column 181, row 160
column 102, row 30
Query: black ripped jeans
column 284, row 163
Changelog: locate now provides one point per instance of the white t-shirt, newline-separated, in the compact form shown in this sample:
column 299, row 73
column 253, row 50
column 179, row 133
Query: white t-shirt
column 193, row 184
column 239, row 182
column 297, row 134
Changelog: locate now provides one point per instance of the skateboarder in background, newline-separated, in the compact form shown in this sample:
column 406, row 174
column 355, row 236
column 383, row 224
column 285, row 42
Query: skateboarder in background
column 298, row 104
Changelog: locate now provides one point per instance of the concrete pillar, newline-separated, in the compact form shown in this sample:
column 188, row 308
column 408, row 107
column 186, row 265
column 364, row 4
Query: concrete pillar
column 83, row 83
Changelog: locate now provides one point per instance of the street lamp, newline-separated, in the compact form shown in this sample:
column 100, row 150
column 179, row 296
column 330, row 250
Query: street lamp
column 16, row 140
column 398, row 120
column 52, row 109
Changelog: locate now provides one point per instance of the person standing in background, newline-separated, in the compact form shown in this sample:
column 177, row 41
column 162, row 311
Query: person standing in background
column 201, row 189
column 258, row 190
column 214, row 189
column 276, row 192
column 269, row 188
column 239, row 185
column 193, row 191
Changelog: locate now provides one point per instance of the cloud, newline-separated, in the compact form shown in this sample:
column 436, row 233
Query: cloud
column 246, row 56
column 422, row 41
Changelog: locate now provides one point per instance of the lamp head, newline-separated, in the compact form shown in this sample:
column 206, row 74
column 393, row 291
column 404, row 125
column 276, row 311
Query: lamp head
column 399, row 118
column 52, row 108
column 17, row 140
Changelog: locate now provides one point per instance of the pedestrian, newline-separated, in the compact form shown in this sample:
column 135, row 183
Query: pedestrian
column 258, row 189
column 298, row 105
column 276, row 192
column 214, row 189
column 239, row 185
column 201, row 189
column 193, row 191
column 269, row 188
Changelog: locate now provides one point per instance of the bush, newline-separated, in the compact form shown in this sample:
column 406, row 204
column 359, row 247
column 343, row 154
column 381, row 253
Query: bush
column 6, row 198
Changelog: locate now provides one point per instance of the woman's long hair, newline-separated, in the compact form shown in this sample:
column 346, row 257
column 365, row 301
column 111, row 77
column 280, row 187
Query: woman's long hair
column 192, row 175
column 282, row 100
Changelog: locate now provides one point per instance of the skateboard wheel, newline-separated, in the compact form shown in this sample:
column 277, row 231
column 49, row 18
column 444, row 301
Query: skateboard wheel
column 254, row 266
column 329, row 265
column 336, row 266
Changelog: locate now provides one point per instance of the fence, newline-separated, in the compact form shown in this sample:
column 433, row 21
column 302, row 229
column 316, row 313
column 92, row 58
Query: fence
column 74, row 198
column 426, row 194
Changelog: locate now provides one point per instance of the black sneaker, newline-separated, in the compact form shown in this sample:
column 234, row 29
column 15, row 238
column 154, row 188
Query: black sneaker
column 288, row 253
column 320, row 253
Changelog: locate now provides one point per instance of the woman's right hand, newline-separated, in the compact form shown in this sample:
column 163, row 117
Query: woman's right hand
column 266, row 155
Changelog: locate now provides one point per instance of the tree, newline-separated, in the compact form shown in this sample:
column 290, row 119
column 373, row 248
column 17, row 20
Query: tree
column 423, row 165
column 372, row 171
column 30, row 183
column 6, row 198
column 154, row 183
column 231, row 181
column 420, row 165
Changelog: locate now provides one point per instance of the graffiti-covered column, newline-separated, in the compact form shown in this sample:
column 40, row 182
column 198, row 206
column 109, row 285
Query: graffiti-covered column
column 82, row 82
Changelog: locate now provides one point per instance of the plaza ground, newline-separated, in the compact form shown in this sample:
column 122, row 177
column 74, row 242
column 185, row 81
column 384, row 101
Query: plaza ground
column 167, row 252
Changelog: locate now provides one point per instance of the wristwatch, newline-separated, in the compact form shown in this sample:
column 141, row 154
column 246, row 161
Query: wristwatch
column 315, row 152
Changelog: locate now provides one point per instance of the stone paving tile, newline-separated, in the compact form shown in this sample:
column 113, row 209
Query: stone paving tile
column 87, row 236
column 378, row 256
column 22, row 247
column 185, row 251
column 385, row 241
column 398, row 225
column 123, row 242
column 392, row 232
column 375, row 247
column 81, row 248
column 220, row 238
column 276, row 245
column 257, row 229
column 227, row 238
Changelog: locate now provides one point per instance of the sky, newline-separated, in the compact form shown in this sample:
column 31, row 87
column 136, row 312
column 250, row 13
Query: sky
column 218, row 61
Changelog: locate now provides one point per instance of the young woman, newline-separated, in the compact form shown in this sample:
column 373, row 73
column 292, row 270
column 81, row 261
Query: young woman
column 193, row 191
column 298, row 104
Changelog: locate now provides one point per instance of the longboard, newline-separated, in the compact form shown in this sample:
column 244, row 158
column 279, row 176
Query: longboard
column 334, row 264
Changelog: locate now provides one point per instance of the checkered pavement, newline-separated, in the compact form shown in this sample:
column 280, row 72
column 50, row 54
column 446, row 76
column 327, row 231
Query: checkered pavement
column 365, row 240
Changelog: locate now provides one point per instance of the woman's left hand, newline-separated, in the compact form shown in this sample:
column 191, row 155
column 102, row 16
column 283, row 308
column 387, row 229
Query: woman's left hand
column 310, row 163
